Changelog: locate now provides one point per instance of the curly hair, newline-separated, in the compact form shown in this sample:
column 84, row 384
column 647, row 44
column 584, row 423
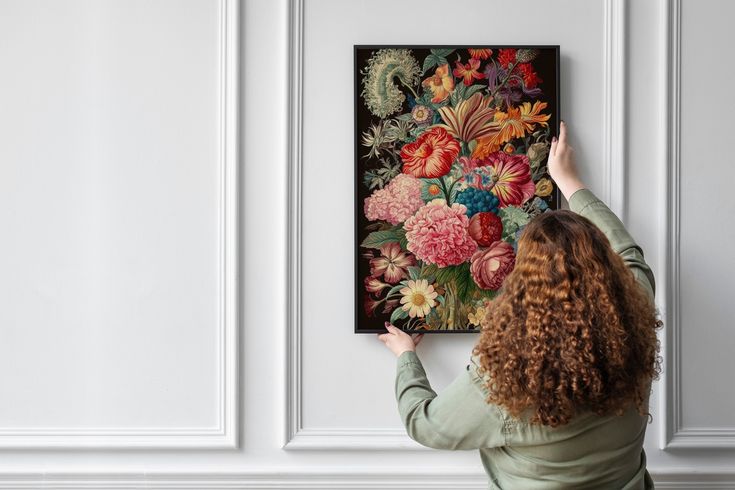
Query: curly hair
column 571, row 330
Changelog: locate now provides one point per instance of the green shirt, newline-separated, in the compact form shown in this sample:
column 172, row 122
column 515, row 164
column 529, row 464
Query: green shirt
column 589, row 452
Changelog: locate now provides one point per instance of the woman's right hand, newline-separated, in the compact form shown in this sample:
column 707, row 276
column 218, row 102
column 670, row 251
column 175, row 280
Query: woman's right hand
column 562, row 167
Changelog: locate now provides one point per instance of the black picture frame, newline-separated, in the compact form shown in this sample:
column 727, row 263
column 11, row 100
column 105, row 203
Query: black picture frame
column 359, row 314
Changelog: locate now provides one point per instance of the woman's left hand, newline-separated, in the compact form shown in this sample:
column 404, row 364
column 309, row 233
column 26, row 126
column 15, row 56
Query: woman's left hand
column 399, row 341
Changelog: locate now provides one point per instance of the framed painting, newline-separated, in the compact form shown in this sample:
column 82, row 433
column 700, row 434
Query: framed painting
column 451, row 144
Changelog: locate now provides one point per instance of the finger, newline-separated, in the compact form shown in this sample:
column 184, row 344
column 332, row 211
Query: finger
column 554, row 142
column 417, row 339
column 563, row 133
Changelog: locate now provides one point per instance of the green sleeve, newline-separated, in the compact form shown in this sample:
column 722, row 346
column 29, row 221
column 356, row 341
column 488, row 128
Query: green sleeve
column 585, row 203
column 458, row 418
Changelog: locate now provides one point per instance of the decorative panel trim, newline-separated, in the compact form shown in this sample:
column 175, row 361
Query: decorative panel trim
column 615, row 103
column 675, row 434
column 310, row 480
column 225, row 433
column 295, row 436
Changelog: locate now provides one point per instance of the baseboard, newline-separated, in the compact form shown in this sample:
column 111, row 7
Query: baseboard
column 306, row 481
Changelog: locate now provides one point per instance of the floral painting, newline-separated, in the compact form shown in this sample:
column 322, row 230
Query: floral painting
column 450, row 154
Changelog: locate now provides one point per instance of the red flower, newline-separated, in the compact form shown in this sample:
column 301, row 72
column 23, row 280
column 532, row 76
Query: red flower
column 506, row 57
column 511, row 176
column 480, row 54
column 485, row 228
column 530, row 77
column 491, row 265
column 468, row 72
column 431, row 155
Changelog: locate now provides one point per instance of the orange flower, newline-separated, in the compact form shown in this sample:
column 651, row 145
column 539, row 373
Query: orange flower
column 516, row 123
column 431, row 155
column 480, row 54
column 441, row 83
column 468, row 72
column 471, row 119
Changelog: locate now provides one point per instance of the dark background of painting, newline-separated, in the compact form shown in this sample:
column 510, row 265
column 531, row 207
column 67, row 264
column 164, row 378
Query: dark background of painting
column 546, row 65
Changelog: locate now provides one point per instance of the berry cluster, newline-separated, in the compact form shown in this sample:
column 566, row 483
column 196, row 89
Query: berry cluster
column 478, row 201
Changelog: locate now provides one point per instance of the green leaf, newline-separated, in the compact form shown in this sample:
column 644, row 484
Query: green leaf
column 457, row 94
column 513, row 218
column 442, row 53
column 398, row 314
column 431, row 61
column 396, row 288
column 405, row 117
column 377, row 239
column 414, row 272
column 472, row 89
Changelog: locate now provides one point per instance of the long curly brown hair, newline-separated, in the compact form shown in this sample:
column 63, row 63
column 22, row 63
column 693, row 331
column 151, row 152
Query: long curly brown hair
column 571, row 329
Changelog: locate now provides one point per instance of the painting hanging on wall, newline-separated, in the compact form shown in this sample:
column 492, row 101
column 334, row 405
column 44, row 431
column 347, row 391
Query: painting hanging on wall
column 451, row 144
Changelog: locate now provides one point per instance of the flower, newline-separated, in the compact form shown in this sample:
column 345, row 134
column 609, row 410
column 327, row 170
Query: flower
column 382, row 96
column 431, row 155
column 396, row 201
column 489, row 266
column 511, row 175
column 509, row 148
column 418, row 298
column 485, row 228
column 397, row 129
column 431, row 189
column 526, row 55
column 537, row 151
column 374, row 285
column 392, row 264
column 441, row 83
column 477, row 201
column 422, row 114
column 370, row 304
column 512, row 124
column 544, row 187
column 480, row 54
column 470, row 119
column 390, row 305
column 506, row 57
column 530, row 77
column 437, row 234
column 468, row 72
column 478, row 315
column 375, row 137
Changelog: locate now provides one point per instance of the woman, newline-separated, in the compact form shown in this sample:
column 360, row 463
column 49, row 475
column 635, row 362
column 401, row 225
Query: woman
column 556, row 393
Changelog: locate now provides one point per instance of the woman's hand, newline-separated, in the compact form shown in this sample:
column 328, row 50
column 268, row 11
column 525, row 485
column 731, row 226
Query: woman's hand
column 562, row 167
column 399, row 341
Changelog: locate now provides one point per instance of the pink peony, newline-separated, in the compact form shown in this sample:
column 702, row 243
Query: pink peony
column 437, row 234
column 491, row 265
column 396, row 201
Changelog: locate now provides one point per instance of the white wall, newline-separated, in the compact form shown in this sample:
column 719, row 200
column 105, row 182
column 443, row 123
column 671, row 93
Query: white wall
column 132, row 356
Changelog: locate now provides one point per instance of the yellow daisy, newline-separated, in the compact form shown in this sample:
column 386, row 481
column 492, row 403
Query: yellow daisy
column 418, row 298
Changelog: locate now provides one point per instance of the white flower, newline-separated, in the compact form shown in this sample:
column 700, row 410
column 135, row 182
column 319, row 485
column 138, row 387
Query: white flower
column 418, row 298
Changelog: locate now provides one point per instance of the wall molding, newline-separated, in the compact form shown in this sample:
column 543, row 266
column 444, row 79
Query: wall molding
column 615, row 105
column 309, row 480
column 295, row 436
column 225, row 434
column 675, row 434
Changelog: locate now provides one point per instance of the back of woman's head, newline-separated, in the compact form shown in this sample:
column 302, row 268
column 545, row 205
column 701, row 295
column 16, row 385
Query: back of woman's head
column 571, row 329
